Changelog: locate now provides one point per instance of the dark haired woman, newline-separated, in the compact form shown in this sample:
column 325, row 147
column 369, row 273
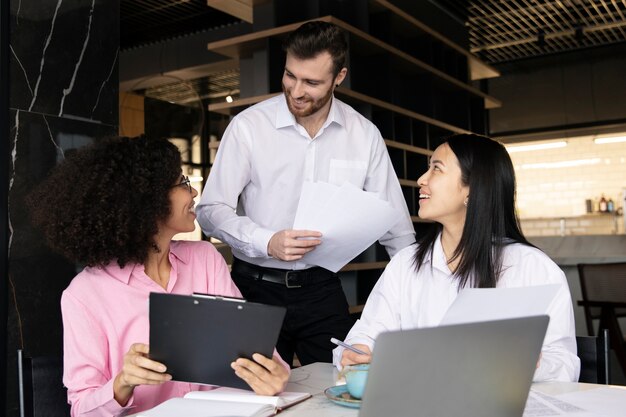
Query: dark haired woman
column 115, row 207
column 469, row 191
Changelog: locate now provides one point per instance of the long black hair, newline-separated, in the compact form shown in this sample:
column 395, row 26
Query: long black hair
column 490, row 222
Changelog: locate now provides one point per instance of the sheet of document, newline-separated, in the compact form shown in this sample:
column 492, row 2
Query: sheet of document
column 543, row 405
column 188, row 407
column 282, row 400
column 486, row 304
column 596, row 402
column 603, row 401
column 349, row 219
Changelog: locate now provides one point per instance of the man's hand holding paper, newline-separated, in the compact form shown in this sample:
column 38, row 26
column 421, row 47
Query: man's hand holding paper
column 349, row 219
column 291, row 245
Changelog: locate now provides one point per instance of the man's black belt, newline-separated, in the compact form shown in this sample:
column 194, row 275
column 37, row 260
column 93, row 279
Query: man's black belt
column 287, row 277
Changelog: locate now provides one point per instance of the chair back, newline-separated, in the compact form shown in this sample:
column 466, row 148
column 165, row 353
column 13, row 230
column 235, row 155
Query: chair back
column 594, row 358
column 602, row 283
column 41, row 390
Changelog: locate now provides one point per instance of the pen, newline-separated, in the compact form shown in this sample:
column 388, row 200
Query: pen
column 347, row 346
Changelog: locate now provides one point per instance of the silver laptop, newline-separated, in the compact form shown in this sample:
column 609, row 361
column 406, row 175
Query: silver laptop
column 468, row 370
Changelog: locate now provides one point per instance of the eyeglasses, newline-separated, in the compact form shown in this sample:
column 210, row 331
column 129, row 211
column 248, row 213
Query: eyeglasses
column 185, row 182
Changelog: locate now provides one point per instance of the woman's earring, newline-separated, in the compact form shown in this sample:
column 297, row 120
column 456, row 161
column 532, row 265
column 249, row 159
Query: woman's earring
column 466, row 201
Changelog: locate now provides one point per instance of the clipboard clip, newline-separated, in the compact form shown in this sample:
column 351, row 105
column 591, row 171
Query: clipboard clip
column 219, row 297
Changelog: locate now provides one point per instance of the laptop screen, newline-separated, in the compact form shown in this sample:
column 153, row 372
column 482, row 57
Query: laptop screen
column 480, row 369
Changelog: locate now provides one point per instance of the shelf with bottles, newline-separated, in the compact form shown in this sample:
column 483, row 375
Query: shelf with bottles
column 362, row 45
column 393, row 23
column 585, row 224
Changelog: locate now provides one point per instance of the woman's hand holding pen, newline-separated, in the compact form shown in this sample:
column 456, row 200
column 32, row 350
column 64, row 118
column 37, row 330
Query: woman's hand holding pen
column 349, row 357
column 137, row 370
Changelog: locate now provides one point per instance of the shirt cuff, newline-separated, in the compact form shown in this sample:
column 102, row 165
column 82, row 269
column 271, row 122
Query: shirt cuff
column 396, row 244
column 104, row 399
column 337, row 353
column 260, row 239
column 282, row 361
column 355, row 340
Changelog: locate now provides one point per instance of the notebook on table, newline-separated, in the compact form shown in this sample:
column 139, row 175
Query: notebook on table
column 480, row 369
column 225, row 402
column 198, row 336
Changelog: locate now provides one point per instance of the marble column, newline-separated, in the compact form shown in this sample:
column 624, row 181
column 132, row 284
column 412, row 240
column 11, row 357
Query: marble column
column 63, row 57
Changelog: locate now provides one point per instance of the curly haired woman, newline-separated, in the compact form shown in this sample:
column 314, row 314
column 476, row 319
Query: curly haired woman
column 116, row 206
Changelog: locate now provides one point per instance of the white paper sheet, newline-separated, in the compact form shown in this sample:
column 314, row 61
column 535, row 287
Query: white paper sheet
column 282, row 400
column 485, row 304
column 349, row 219
column 597, row 402
column 543, row 405
column 604, row 401
column 188, row 407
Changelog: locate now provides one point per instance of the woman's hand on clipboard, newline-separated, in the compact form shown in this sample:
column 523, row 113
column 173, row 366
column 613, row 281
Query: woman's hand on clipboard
column 264, row 375
column 138, row 369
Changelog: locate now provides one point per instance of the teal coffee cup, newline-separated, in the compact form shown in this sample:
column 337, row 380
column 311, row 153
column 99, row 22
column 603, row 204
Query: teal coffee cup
column 356, row 377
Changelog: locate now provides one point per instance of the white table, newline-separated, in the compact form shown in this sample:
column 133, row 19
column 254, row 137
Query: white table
column 595, row 400
column 315, row 378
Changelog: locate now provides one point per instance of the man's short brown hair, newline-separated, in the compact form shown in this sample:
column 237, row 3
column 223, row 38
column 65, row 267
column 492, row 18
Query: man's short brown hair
column 313, row 38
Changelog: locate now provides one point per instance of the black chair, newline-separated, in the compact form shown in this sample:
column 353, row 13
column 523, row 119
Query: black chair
column 41, row 390
column 594, row 358
column 604, row 297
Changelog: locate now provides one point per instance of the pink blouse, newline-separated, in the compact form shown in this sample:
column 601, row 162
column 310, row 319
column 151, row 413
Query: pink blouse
column 105, row 311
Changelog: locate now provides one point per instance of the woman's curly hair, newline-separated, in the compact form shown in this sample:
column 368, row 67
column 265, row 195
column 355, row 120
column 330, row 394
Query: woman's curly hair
column 104, row 201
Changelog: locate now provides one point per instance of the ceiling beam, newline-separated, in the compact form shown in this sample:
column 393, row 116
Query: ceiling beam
column 190, row 73
column 241, row 9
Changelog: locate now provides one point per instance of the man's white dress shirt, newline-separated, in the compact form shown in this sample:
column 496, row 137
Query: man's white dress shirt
column 265, row 156
column 405, row 299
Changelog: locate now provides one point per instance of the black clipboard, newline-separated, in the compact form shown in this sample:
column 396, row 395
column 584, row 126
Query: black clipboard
column 198, row 336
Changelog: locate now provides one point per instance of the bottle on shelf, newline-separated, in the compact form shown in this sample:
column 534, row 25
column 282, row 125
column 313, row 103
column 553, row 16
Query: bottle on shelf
column 596, row 205
column 602, row 206
column 610, row 206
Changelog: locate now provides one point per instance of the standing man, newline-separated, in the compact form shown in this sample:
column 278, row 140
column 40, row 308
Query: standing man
column 267, row 152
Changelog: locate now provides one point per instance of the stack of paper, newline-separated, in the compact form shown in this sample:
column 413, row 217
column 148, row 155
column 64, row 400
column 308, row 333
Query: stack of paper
column 586, row 401
column 349, row 219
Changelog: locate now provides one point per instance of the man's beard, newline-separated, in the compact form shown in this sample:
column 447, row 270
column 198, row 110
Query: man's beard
column 313, row 106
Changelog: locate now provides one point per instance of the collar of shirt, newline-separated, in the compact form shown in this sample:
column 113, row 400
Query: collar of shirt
column 285, row 118
column 439, row 257
column 177, row 253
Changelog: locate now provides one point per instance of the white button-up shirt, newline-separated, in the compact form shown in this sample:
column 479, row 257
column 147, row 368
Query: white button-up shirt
column 264, row 158
column 405, row 299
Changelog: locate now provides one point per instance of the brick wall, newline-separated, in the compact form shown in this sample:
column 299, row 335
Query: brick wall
column 554, row 184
